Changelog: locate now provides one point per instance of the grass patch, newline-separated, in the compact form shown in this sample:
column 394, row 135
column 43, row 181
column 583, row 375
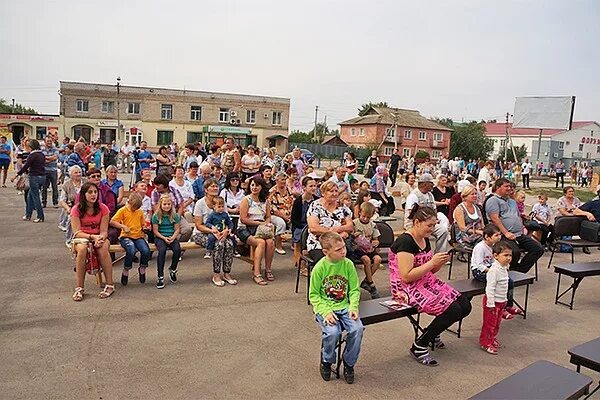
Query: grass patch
column 583, row 194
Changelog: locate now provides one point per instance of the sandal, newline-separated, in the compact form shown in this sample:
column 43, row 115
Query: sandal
column 258, row 279
column 490, row 350
column 269, row 275
column 438, row 344
column 218, row 283
column 78, row 295
column 230, row 281
column 422, row 356
column 514, row 310
column 107, row 291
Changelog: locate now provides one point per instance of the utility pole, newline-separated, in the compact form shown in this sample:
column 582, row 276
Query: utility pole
column 315, row 128
column 13, row 106
column 119, row 139
column 506, row 139
column 324, row 126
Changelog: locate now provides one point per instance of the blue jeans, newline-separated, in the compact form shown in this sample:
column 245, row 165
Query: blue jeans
column 332, row 333
column 133, row 245
column 33, row 197
column 162, row 247
column 481, row 276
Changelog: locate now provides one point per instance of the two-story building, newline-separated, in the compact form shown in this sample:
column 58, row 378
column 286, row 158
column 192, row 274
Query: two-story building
column 386, row 128
column 163, row 116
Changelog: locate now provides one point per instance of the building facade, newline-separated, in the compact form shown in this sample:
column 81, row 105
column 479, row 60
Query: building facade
column 163, row 116
column 17, row 126
column 387, row 128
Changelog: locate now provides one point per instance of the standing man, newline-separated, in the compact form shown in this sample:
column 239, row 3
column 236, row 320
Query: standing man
column 143, row 158
column 525, row 172
column 559, row 170
column 51, row 169
column 110, row 156
column 5, row 151
column 444, row 165
column 393, row 166
column 125, row 154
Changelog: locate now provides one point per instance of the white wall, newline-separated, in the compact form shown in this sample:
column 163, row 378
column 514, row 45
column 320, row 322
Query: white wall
column 573, row 138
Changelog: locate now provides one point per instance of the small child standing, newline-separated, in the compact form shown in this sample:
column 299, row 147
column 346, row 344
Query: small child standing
column 130, row 219
column 218, row 220
column 334, row 294
column 366, row 237
column 165, row 225
column 494, row 300
column 481, row 261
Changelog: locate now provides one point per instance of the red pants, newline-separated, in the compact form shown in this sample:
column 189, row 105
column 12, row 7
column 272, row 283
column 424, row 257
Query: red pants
column 491, row 322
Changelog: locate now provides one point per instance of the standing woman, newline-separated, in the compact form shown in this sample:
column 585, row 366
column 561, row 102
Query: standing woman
column 231, row 159
column 35, row 165
column 372, row 162
column 222, row 255
column 378, row 192
column 250, row 163
column 255, row 211
column 412, row 267
column 351, row 165
column 89, row 221
column 164, row 164
column 298, row 217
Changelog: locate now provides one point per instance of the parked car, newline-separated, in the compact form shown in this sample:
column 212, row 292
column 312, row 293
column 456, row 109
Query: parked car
column 309, row 157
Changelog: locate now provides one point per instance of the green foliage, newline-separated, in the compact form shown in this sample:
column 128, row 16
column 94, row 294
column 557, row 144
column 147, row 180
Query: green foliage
column 365, row 107
column 470, row 142
column 300, row 137
column 521, row 153
column 447, row 122
column 422, row 155
column 7, row 108
column 322, row 130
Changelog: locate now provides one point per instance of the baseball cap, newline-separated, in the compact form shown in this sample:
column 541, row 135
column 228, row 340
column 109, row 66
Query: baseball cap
column 425, row 178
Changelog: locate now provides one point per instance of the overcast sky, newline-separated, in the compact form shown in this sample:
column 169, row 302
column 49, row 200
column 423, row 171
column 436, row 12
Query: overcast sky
column 458, row 59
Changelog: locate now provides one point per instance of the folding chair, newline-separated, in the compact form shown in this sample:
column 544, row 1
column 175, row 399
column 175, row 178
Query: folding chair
column 568, row 226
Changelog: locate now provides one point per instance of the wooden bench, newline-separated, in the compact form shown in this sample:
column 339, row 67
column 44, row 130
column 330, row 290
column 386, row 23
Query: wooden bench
column 587, row 355
column 473, row 287
column 577, row 272
column 540, row 380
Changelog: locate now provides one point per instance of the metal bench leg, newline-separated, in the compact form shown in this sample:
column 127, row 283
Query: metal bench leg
column 468, row 265
column 450, row 266
column 308, row 286
column 572, row 255
column 536, row 271
column 338, row 364
column 415, row 322
column 592, row 392
column 557, row 289
column 298, row 275
column 459, row 328
column 551, row 255
column 572, row 288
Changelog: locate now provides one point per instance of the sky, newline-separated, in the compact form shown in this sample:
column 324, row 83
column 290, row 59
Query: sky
column 465, row 60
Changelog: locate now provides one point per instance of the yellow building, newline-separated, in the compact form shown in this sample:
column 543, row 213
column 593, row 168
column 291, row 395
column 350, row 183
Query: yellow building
column 163, row 116
column 17, row 126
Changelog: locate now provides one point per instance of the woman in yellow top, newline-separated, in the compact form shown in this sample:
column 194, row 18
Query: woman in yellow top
column 130, row 219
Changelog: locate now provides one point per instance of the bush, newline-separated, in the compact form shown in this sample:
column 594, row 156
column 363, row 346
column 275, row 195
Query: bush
column 422, row 155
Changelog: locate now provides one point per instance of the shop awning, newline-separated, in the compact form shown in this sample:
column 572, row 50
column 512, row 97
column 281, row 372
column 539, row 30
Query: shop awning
column 230, row 130
column 275, row 137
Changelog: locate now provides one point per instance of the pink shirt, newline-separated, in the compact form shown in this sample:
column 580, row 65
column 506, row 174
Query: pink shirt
column 90, row 224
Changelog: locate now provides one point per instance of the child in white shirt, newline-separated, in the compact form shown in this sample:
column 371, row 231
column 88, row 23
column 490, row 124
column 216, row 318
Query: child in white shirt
column 494, row 300
column 542, row 213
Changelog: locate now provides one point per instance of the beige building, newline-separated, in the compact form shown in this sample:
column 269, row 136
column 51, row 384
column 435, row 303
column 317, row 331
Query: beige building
column 163, row 116
column 17, row 126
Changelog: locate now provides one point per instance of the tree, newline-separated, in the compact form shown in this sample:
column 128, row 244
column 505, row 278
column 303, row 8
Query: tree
column 365, row 107
column 521, row 153
column 469, row 142
column 299, row 137
column 447, row 122
column 18, row 109
column 421, row 155
column 322, row 130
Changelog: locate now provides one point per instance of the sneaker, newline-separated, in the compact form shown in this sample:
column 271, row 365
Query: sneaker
column 365, row 285
column 160, row 283
column 208, row 254
column 506, row 315
column 374, row 292
column 280, row 251
column 236, row 254
column 124, row 279
column 173, row 275
column 62, row 228
column 348, row 374
column 325, row 369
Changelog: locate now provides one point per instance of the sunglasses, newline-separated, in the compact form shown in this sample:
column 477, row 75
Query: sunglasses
column 95, row 176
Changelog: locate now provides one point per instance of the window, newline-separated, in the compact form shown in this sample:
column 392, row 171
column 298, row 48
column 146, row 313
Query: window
column 164, row 138
column 502, row 142
column 561, row 145
column 83, row 105
column 352, row 132
column 437, row 154
column 108, row 106
column 390, row 134
column 438, row 136
column 194, row 137
column 422, row 135
column 166, row 111
column 133, row 108
column 580, row 146
column 108, row 135
column 276, row 118
column 40, row 132
column 250, row 116
column 223, row 114
column 388, row 151
column 408, row 135
column 82, row 131
column 597, row 149
column 405, row 151
column 195, row 113
column 361, row 132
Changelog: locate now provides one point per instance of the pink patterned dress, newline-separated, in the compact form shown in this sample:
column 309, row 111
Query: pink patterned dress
column 429, row 294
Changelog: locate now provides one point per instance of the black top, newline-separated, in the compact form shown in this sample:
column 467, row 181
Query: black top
column 406, row 243
column 394, row 160
column 298, row 216
column 35, row 164
column 592, row 207
column 439, row 196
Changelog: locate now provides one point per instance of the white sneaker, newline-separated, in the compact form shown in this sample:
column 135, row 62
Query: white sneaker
column 62, row 228
column 280, row 251
column 208, row 254
column 236, row 254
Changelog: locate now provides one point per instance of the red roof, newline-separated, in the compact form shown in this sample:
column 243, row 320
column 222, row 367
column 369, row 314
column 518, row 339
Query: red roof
column 499, row 129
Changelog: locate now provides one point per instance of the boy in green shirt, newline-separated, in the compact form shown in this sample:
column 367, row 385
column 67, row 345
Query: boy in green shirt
column 335, row 293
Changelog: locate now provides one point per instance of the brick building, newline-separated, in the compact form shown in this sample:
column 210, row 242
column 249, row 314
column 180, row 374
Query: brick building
column 386, row 128
column 162, row 116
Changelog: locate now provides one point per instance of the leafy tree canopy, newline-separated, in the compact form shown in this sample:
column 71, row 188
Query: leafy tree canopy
column 7, row 108
column 521, row 153
column 470, row 142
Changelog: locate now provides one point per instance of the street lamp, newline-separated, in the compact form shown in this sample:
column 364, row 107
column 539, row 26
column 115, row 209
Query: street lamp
column 119, row 138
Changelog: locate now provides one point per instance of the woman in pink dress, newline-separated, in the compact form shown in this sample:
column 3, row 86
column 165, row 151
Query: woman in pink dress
column 412, row 280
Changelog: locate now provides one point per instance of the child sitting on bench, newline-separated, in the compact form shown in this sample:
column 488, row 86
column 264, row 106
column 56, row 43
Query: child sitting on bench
column 334, row 294
column 366, row 242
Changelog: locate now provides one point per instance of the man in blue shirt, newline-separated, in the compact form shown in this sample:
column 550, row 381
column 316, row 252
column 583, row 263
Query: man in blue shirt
column 76, row 158
column 5, row 150
column 51, row 153
column 143, row 158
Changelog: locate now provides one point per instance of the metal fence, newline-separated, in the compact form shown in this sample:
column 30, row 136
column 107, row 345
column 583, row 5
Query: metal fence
column 320, row 150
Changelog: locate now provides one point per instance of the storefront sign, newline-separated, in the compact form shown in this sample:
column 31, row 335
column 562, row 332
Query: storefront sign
column 27, row 117
column 590, row 140
column 227, row 129
column 108, row 123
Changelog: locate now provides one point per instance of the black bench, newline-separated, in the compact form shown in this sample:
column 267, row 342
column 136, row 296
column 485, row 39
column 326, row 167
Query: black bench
column 540, row 380
column 587, row 355
column 473, row 287
column 577, row 272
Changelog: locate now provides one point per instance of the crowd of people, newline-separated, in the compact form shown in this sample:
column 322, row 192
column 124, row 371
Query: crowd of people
column 226, row 198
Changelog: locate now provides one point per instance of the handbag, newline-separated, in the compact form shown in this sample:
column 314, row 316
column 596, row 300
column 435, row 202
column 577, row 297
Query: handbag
column 264, row 231
column 22, row 182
